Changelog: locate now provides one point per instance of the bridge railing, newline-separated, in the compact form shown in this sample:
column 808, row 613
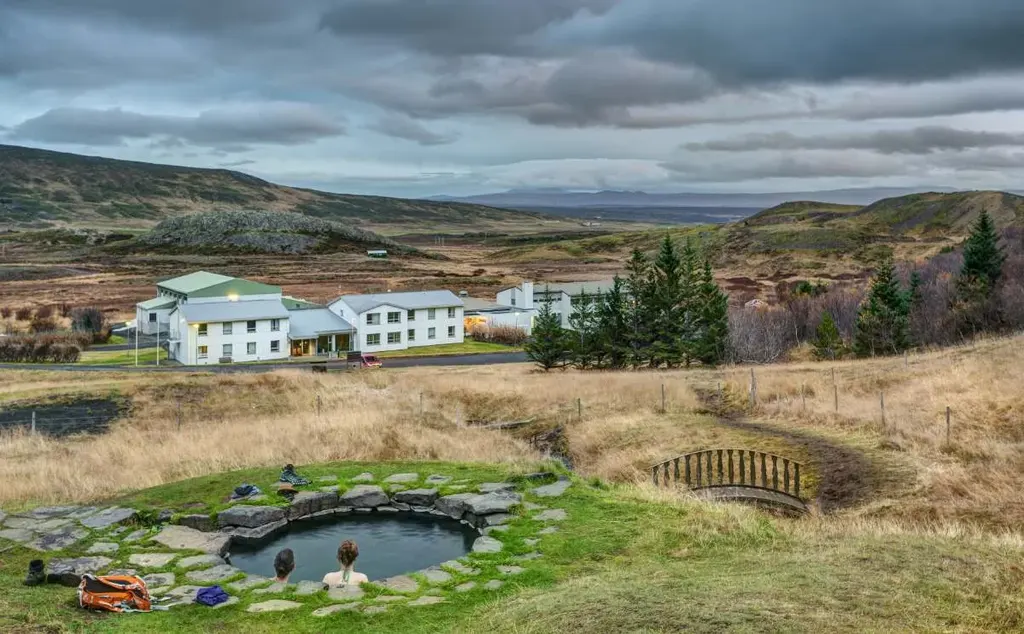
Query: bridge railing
column 730, row 467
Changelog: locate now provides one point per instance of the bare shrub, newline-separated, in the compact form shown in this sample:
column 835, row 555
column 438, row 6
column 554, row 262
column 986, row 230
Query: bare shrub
column 65, row 309
column 760, row 335
column 44, row 312
column 508, row 335
column 90, row 320
column 5, row 312
column 42, row 348
column 23, row 314
column 41, row 325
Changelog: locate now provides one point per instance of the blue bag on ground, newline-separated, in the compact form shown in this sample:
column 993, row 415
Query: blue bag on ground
column 214, row 595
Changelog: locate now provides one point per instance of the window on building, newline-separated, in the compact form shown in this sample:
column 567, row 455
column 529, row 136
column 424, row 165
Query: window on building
column 451, row 313
column 275, row 325
column 513, row 300
column 226, row 350
column 431, row 313
column 373, row 319
column 202, row 330
column 202, row 352
column 410, row 315
column 275, row 346
column 394, row 317
column 394, row 337
column 373, row 340
column 410, row 335
column 431, row 333
column 451, row 332
column 152, row 318
column 250, row 348
column 250, row 326
column 227, row 327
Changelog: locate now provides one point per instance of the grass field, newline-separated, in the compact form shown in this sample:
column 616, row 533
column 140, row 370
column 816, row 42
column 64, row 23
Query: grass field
column 146, row 356
column 467, row 347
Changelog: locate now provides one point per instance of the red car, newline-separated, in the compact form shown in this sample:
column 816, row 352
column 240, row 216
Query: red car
column 358, row 359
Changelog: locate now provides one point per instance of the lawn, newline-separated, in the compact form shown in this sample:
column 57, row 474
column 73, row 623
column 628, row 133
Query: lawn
column 467, row 347
column 147, row 356
column 626, row 559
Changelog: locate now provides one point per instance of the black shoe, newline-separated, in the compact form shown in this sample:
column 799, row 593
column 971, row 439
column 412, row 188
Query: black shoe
column 36, row 576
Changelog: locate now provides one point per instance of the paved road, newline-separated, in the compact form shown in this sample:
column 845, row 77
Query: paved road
column 406, row 362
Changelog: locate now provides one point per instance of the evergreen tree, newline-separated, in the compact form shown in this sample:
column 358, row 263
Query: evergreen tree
column 828, row 343
column 983, row 258
column 668, row 306
column 583, row 334
column 612, row 327
column 547, row 344
column 712, row 332
column 639, row 304
column 882, row 322
column 689, row 311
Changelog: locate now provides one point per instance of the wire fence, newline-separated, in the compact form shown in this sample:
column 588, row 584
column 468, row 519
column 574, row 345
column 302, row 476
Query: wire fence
column 54, row 425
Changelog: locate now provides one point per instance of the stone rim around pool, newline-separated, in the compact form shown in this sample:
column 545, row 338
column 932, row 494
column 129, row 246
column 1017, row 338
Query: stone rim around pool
column 489, row 512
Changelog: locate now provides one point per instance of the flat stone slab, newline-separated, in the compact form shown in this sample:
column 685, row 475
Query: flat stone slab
column 36, row 523
column 364, row 496
column 417, row 497
column 389, row 598
column 528, row 557
column 257, row 534
column 159, row 579
column 230, row 601
column 436, row 576
column 123, row 572
column 486, row 544
column 253, row 581
column 531, row 541
column 184, row 592
column 275, row 588
column 510, row 570
column 20, row 535
column 327, row 478
column 460, row 567
column 103, row 547
column 109, row 517
column 78, row 565
column 3, row 516
column 184, row 538
column 196, row 561
column 345, row 593
column 493, row 584
column 306, row 588
column 363, row 477
column 400, row 583
column 274, row 605
column 211, row 575
column 489, row 503
column 334, row 609
column 554, row 489
column 375, row 609
column 199, row 522
column 53, row 511
column 453, row 505
column 551, row 515
column 548, row 531
column 495, row 487
column 465, row 587
column 250, row 516
column 152, row 560
column 135, row 536
column 402, row 477
column 259, row 497
column 330, row 489
column 58, row 540
column 438, row 479
column 426, row 600
column 530, row 506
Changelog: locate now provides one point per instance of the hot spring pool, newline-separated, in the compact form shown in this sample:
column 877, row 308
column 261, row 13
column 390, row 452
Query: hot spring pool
column 388, row 545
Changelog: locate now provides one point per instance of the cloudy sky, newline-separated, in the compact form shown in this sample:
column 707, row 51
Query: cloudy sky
column 421, row 97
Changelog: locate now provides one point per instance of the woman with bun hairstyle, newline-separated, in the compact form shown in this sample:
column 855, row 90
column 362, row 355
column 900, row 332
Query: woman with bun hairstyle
column 347, row 576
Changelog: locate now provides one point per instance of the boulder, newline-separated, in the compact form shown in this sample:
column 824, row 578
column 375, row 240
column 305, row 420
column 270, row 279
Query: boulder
column 489, row 503
column 184, row 538
column 40, row 525
column 256, row 535
column 453, row 505
column 274, row 605
column 250, row 516
column 212, row 575
column 417, row 497
column 58, row 540
column 184, row 592
column 387, row 509
column 364, row 496
column 486, row 544
column 109, row 517
column 198, row 522
column 553, row 490
column 402, row 477
column 3, row 516
column 309, row 502
column 375, row 609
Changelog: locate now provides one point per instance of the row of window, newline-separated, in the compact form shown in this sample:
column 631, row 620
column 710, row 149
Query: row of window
column 228, row 327
column 395, row 317
column 228, row 350
column 396, row 337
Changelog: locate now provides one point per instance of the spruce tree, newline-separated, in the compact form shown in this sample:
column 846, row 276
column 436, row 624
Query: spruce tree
column 668, row 306
column 582, row 337
column 828, row 343
column 547, row 344
column 882, row 322
column 712, row 332
column 689, row 310
column 983, row 258
column 639, row 303
column 611, row 339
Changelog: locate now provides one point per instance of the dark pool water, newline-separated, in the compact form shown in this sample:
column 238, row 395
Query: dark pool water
column 388, row 545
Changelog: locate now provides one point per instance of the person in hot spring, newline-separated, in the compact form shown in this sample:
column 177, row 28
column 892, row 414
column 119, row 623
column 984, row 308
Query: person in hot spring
column 347, row 576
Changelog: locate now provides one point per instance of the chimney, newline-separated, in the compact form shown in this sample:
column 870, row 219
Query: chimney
column 527, row 288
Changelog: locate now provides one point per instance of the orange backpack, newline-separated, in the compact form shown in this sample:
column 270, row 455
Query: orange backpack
column 114, row 593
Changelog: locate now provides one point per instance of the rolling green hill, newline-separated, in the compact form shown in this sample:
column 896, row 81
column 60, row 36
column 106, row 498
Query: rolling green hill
column 43, row 189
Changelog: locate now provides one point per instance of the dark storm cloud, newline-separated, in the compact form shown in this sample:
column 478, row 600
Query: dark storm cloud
column 228, row 130
column 922, row 140
column 401, row 127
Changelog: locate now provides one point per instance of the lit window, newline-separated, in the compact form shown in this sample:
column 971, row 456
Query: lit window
column 202, row 352
column 202, row 330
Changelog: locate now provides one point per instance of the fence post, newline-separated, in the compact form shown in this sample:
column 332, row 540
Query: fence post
column 318, row 404
column 421, row 404
column 579, row 409
column 34, row 422
column 835, row 391
column 753, row 388
column 947, row 425
column 178, row 415
column 881, row 401
column 662, row 398
column 803, row 395
column 719, row 392
column 906, row 359
column 458, row 415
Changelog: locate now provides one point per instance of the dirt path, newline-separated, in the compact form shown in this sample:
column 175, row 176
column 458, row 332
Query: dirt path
column 845, row 473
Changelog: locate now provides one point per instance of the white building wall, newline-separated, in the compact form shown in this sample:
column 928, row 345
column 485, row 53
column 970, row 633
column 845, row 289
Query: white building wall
column 420, row 325
column 520, row 319
column 148, row 327
column 187, row 351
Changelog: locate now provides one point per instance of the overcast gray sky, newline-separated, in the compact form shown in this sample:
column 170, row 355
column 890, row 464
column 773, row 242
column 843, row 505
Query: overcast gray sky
column 420, row 97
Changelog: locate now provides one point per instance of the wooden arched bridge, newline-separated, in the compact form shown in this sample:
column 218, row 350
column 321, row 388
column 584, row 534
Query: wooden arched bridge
column 742, row 475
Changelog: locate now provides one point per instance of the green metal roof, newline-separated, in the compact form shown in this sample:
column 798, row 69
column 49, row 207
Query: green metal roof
column 294, row 303
column 157, row 303
column 236, row 286
column 188, row 284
